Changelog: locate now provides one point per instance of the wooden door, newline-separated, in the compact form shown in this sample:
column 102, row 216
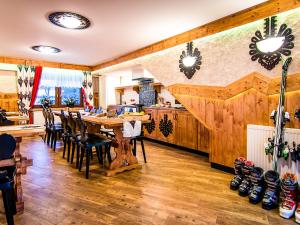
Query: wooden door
column 96, row 91
column 186, row 129
column 150, row 129
column 166, row 125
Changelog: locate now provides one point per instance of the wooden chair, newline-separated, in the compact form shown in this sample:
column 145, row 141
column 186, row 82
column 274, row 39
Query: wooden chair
column 141, row 140
column 108, row 132
column 7, row 174
column 66, row 134
column 75, row 139
column 46, row 125
column 4, row 121
column 87, row 142
column 55, row 129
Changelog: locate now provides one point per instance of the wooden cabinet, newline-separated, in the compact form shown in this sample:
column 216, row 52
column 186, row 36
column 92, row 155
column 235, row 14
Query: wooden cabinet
column 186, row 129
column 150, row 129
column 178, row 127
column 166, row 125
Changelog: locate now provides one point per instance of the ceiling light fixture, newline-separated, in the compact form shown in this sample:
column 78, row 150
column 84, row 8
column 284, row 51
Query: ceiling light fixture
column 69, row 20
column 45, row 49
column 270, row 48
column 270, row 45
column 190, row 61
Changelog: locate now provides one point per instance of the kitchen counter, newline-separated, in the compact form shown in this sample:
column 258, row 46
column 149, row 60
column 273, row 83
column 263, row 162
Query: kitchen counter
column 177, row 126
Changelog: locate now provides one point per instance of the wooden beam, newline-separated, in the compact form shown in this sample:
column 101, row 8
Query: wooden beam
column 243, row 17
column 10, row 60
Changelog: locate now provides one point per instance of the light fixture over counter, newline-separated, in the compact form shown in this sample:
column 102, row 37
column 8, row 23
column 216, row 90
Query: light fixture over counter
column 69, row 20
column 45, row 49
column 190, row 61
column 270, row 48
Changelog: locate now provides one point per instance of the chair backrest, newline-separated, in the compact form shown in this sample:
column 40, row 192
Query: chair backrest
column 50, row 117
column 81, row 127
column 2, row 117
column 79, row 115
column 3, row 111
column 132, row 128
column 112, row 113
column 7, row 146
column 99, row 110
column 4, row 121
column 45, row 116
column 64, row 122
column 72, row 123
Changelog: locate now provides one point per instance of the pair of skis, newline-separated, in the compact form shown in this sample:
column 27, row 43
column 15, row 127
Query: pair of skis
column 280, row 116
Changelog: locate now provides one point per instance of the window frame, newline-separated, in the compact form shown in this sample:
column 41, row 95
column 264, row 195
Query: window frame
column 58, row 98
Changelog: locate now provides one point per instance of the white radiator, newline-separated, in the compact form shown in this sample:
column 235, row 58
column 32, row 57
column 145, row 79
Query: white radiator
column 257, row 136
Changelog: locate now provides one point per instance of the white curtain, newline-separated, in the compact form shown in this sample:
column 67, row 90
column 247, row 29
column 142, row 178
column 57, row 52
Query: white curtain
column 52, row 77
column 25, row 77
column 87, row 84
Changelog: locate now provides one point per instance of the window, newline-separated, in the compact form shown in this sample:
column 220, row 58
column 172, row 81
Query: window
column 45, row 92
column 59, row 85
column 67, row 92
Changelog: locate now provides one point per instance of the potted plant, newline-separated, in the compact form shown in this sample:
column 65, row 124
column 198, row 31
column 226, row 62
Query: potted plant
column 46, row 102
column 70, row 102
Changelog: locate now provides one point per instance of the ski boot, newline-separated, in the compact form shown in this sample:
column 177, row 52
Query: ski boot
column 289, row 187
column 297, row 214
column 270, row 199
column 237, row 179
column 246, row 185
column 293, row 152
column 257, row 179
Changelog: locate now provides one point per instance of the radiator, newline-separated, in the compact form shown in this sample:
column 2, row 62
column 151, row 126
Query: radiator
column 258, row 135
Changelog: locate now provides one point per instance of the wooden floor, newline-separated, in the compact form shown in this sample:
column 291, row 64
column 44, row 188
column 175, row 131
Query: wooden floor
column 174, row 187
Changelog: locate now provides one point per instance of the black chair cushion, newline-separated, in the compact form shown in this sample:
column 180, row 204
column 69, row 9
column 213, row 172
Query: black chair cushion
column 7, row 175
column 94, row 141
column 6, row 123
column 7, row 146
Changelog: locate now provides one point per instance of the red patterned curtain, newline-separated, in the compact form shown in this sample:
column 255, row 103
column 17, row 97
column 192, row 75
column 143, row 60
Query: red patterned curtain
column 35, row 88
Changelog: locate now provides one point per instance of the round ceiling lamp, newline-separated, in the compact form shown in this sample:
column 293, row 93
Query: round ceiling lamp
column 45, row 49
column 69, row 20
column 190, row 60
column 269, row 48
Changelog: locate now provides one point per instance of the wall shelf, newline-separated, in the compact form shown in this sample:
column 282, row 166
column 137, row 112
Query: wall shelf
column 157, row 86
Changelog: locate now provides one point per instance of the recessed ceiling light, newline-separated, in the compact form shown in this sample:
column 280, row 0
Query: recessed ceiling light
column 45, row 49
column 69, row 20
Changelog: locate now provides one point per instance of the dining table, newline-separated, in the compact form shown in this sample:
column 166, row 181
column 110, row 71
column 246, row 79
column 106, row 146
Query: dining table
column 12, row 113
column 21, row 162
column 124, row 159
column 18, row 119
column 74, row 113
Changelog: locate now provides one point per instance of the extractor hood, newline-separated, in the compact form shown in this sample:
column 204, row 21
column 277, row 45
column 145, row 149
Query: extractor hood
column 140, row 74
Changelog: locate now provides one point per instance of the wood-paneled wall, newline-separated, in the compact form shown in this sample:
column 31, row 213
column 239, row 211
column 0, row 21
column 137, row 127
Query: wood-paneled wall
column 9, row 102
column 226, row 111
